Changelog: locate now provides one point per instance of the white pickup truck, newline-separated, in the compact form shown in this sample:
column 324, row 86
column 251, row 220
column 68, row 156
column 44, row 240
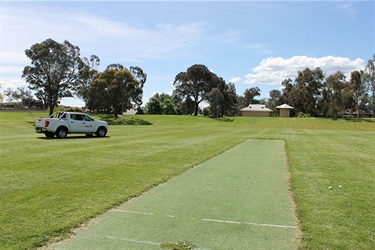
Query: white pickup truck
column 63, row 123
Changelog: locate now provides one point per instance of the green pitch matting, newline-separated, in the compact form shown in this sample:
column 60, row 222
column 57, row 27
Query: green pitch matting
column 236, row 200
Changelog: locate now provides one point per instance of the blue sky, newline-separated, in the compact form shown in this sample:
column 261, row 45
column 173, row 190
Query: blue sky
column 249, row 43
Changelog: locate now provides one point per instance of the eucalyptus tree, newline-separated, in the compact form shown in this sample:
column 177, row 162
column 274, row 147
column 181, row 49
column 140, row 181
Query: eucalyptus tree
column 154, row 105
column 194, row 85
column 216, row 101
column 114, row 89
column 137, row 93
column 85, row 89
column 249, row 97
column 324, row 102
column 162, row 104
column 308, row 85
column 230, row 100
column 288, row 92
column 358, row 88
column 275, row 99
column 55, row 72
column 336, row 84
column 370, row 80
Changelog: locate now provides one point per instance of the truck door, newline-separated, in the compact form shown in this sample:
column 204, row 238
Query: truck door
column 88, row 124
column 76, row 123
column 81, row 123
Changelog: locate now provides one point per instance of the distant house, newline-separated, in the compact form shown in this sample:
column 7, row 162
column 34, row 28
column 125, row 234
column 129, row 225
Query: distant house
column 284, row 110
column 257, row 110
column 11, row 106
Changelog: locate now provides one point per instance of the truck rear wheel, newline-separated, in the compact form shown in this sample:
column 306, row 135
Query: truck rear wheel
column 61, row 133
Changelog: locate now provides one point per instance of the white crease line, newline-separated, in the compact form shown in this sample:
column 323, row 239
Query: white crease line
column 212, row 220
column 223, row 221
column 136, row 241
column 249, row 223
column 132, row 212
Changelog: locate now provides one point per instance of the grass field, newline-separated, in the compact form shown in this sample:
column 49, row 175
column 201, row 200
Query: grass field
column 50, row 186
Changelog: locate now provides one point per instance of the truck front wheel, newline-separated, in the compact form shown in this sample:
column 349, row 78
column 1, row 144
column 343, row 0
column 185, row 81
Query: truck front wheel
column 101, row 132
column 61, row 133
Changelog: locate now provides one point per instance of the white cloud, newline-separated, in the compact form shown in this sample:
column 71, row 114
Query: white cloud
column 23, row 27
column 10, row 71
column 72, row 102
column 13, row 57
column 13, row 84
column 235, row 79
column 274, row 70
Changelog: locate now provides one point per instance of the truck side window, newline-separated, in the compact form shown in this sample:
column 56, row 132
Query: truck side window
column 87, row 118
column 78, row 117
column 63, row 116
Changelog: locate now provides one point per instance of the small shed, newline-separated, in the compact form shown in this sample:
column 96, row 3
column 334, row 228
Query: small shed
column 257, row 110
column 284, row 110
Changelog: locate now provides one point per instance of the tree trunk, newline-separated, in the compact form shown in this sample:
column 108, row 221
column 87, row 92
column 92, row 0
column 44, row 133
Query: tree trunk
column 196, row 109
column 357, row 111
column 50, row 105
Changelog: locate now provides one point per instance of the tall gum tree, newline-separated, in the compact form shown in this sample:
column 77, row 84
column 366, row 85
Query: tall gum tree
column 336, row 84
column 358, row 89
column 370, row 80
column 195, row 84
column 56, row 70
column 89, row 74
column 118, row 88
column 308, row 86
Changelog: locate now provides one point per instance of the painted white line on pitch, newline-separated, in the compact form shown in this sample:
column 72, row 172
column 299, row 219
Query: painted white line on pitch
column 213, row 220
column 135, row 241
column 249, row 223
column 269, row 225
column 132, row 212
column 223, row 221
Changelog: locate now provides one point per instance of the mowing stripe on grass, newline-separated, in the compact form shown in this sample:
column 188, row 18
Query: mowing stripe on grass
column 236, row 200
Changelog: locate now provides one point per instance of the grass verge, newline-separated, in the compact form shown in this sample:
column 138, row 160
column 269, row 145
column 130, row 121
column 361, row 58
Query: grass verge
column 50, row 186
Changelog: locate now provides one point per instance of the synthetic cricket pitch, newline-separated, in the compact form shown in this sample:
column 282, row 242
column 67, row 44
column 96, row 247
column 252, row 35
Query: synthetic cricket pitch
column 239, row 199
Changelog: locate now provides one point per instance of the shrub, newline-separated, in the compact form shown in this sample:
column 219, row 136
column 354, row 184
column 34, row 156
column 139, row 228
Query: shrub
column 302, row 115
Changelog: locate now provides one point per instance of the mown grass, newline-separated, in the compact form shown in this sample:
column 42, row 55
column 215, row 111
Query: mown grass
column 50, row 186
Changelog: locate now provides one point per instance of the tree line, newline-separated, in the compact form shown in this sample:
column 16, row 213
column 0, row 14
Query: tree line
column 311, row 93
column 57, row 70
